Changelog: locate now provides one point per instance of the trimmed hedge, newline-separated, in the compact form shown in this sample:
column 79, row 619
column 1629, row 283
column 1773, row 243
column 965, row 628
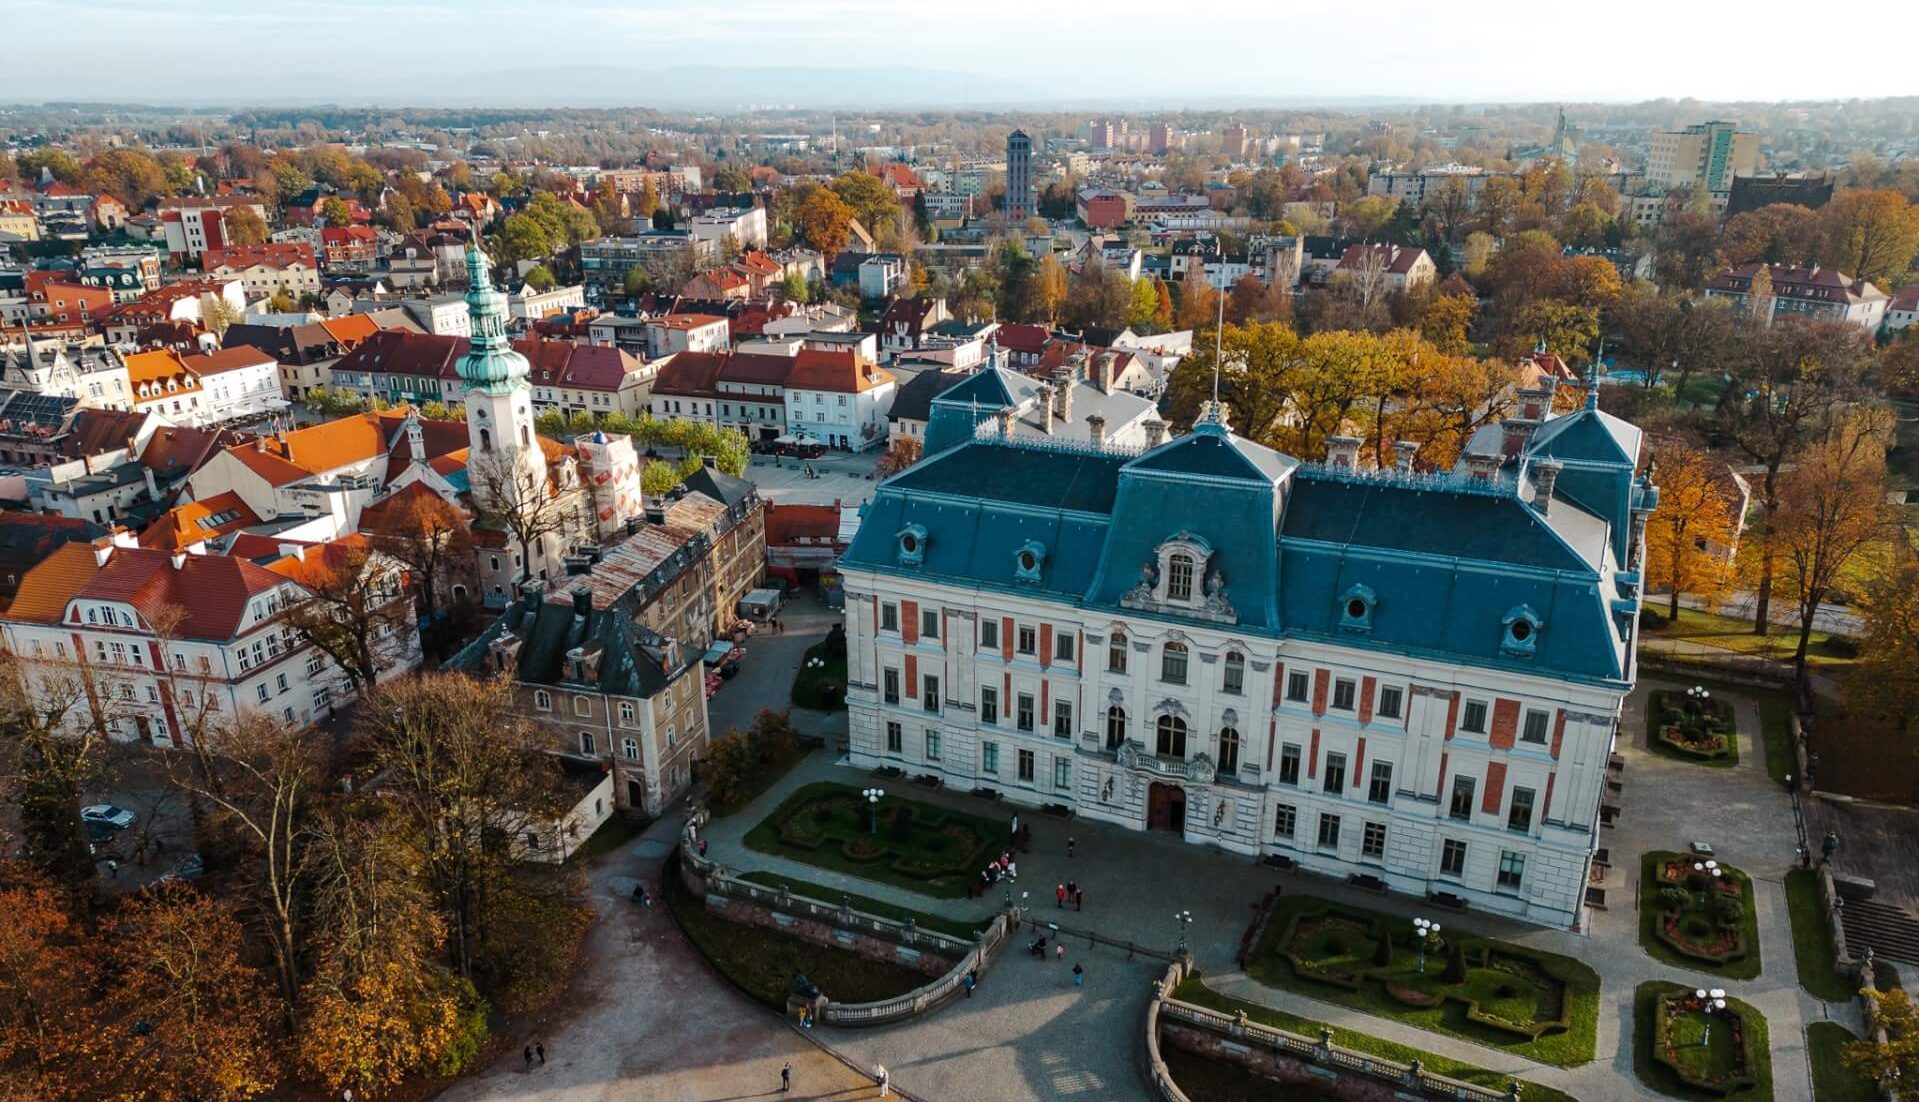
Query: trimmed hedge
column 1740, row 961
column 1658, row 1071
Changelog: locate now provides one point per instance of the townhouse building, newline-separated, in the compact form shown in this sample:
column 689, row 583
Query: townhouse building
column 839, row 399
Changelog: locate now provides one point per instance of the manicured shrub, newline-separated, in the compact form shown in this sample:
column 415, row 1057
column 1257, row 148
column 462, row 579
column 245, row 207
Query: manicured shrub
column 1455, row 964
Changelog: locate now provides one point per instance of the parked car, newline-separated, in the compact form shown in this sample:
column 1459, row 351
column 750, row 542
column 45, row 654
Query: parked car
column 191, row 867
column 119, row 818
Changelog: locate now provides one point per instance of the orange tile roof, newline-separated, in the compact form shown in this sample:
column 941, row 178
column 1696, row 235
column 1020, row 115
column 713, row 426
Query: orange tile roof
column 158, row 367
column 351, row 329
column 46, row 589
column 825, row 369
column 227, row 359
column 198, row 521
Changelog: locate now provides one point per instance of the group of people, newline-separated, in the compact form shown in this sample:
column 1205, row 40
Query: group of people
column 1005, row 867
column 1070, row 890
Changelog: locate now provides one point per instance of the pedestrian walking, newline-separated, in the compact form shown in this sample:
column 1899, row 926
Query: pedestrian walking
column 528, row 1053
column 786, row 1077
column 1079, row 899
column 702, row 847
column 1059, row 896
column 884, row 1078
column 969, row 981
column 1012, row 870
column 1069, row 845
column 113, row 869
column 1079, row 976
column 1072, row 888
column 1059, row 951
column 539, row 1048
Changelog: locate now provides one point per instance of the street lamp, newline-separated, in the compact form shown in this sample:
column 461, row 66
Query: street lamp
column 1185, row 919
column 1424, row 930
column 1712, row 872
column 1709, row 1001
column 873, row 796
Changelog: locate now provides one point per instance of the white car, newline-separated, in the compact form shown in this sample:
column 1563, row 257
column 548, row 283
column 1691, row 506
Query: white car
column 119, row 818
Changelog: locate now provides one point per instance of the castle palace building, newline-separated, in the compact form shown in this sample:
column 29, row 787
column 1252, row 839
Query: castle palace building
column 1410, row 678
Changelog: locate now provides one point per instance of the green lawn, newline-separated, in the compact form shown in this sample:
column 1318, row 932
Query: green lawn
column 823, row 689
column 612, row 834
column 1196, row 992
column 1656, row 702
column 918, row 847
column 1349, row 945
column 954, row 926
column 1662, row 1079
column 763, row 962
column 1650, row 910
column 1729, row 633
column 1775, row 730
column 1812, row 939
column 1832, row 1080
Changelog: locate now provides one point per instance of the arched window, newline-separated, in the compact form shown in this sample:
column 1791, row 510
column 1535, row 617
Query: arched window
column 1115, row 727
column 1235, row 680
column 1172, row 737
column 526, row 437
column 1228, row 750
column 1172, row 664
column 486, row 440
column 1116, row 653
column 542, row 700
column 1179, row 576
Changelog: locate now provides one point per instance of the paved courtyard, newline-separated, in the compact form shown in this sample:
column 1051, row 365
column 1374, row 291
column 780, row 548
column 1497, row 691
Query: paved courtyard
column 842, row 476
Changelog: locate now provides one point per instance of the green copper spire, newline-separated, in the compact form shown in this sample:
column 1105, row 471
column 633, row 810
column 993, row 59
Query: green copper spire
column 490, row 363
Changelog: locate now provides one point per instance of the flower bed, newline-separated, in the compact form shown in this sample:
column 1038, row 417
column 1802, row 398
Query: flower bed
column 1701, row 729
column 1698, row 917
column 1682, row 1051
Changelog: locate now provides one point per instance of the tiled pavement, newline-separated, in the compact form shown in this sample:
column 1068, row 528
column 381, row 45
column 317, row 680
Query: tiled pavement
column 1136, row 882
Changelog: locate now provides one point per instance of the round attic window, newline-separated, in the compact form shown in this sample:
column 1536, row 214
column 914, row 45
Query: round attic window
column 909, row 543
column 1027, row 561
column 1356, row 609
column 1521, row 631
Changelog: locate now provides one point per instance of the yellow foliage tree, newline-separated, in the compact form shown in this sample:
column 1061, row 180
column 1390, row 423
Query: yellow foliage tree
column 1687, row 537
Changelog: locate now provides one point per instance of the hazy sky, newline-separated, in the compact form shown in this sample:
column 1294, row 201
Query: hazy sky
column 1152, row 50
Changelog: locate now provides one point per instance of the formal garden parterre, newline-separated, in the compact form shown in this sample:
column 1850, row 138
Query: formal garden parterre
column 1535, row 1004
column 1693, row 724
column 1685, row 1050
column 1698, row 913
column 902, row 842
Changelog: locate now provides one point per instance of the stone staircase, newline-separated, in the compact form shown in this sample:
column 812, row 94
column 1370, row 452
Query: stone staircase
column 1890, row 931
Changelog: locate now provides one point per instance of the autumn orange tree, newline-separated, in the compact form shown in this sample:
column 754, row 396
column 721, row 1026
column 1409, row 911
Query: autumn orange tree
column 1886, row 681
column 1689, row 536
column 825, row 221
column 355, row 612
column 431, row 537
column 190, row 1019
column 50, row 1047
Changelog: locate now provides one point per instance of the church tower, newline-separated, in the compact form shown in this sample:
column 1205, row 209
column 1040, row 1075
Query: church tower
column 499, row 402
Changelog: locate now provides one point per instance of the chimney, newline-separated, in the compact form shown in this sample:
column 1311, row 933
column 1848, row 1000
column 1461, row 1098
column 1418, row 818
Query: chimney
column 1155, row 432
column 632, row 525
column 1096, row 429
column 1545, row 475
column 1046, row 408
column 1004, row 416
column 1403, row 452
column 1063, row 395
column 582, row 601
column 1104, row 368
column 179, row 560
column 153, row 485
column 1482, row 467
column 1342, row 451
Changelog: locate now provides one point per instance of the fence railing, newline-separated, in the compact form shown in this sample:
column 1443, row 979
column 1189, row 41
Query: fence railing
column 921, row 999
column 1322, row 1052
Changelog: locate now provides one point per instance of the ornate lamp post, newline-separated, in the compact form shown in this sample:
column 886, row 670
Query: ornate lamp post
column 1709, row 1002
column 1712, row 872
column 1185, row 919
column 873, row 797
column 1425, row 931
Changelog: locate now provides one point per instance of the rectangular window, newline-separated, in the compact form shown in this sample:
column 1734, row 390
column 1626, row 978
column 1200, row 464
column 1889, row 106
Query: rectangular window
column 1452, row 858
column 1343, row 694
column 1391, row 697
column 890, row 686
column 1062, row 719
column 930, row 698
column 1462, row 806
column 989, row 705
column 1512, row 869
column 1289, row 763
column 1298, row 685
column 586, row 742
column 1172, row 664
column 988, row 634
column 1475, row 718
column 1026, row 640
column 1023, row 716
column 1519, row 816
column 1329, row 831
column 1116, row 654
column 1026, row 761
column 1063, row 646
column 932, row 745
column 1234, row 679
column 989, row 757
column 1285, row 820
column 1062, row 773
column 889, row 616
column 1372, row 841
column 1335, row 773
column 894, row 738
column 1535, row 729
column 929, row 623
column 1380, row 789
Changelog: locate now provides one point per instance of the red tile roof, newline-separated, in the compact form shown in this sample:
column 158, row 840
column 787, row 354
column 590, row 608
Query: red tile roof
column 46, row 589
column 785, row 524
column 210, row 592
column 198, row 521
column 399, row 352
column 691, row 374
column 228, row 359
column 846, row 372
column 279, row 255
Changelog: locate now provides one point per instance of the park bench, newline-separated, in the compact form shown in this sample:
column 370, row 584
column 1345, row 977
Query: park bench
column 1608, row 815
column 929, row 780
column 1280, row 861
column 986, row 793
column 1447, row 900
column 887, row 771
column 1061, row 810
column 1368, row 881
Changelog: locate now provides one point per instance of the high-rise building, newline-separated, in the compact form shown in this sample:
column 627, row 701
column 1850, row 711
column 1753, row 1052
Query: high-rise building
column 1161, row 138
column 1707, row 154
column 1020, row 203
column 1235, row 140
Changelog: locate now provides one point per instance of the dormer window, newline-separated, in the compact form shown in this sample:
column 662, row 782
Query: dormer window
column 1356, row 608
column 1522, row 632
column 1179, row 576
column 1028, row 560
column 912, row 540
